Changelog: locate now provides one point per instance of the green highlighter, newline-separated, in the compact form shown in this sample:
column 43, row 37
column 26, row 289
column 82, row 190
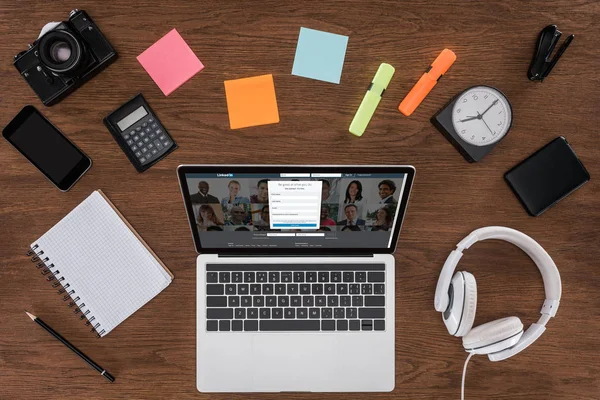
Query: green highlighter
column 372, row 98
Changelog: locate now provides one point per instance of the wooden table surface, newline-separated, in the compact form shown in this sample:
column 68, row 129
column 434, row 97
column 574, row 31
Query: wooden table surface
column 153, row 353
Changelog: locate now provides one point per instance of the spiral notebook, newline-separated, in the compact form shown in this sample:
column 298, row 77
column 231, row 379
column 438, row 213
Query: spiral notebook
column 99, row 264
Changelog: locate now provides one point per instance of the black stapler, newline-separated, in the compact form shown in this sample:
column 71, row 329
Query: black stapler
column 541, row 64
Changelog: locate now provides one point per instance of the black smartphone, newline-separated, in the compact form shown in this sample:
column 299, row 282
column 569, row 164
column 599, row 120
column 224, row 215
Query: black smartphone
column 47, row 148
column 547, row 176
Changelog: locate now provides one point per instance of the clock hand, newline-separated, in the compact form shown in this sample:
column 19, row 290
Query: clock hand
column 486, row 125
column 468, row 119
column 487, row 109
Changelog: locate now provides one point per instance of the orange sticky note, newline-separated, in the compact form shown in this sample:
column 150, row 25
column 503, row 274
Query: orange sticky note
column 251, row 101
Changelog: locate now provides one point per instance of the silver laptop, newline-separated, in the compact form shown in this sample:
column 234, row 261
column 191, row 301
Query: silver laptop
column 295, row 277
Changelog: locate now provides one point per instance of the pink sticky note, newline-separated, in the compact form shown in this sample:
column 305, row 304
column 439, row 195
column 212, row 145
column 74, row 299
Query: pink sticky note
column 170, row 62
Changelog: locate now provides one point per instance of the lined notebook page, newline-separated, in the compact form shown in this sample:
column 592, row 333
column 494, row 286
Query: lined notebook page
column 103, row 261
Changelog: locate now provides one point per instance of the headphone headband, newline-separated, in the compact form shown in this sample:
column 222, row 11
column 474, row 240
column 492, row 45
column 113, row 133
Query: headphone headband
column 550, row 274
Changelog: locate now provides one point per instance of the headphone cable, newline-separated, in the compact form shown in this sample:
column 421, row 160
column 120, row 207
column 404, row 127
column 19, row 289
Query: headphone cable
column 464, row 374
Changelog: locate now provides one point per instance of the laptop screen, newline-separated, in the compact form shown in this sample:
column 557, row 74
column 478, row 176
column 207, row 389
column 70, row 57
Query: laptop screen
column 265, row 208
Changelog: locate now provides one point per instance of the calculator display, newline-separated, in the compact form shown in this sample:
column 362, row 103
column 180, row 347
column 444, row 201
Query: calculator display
column 132, row 118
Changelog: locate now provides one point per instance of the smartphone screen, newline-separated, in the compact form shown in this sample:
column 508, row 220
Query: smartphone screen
column 46, row 148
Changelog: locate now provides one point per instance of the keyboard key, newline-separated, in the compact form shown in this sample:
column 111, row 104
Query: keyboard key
column 338, row 313
column 342, row 325
column 332, row 301
column 330, row 288
column 237, row 325
column 250, row 325
column 354, row 325
column 267, row 288
column 314, row 313
column 215, row 289
column 348, row 276
column 265, row 313
column 320, row 301
column 366, row 288
column 142, row 159
column 351, row 313
column 296, row 301
column 278, row 313
column 336, row 276
column 144, row 150
column 249, row 277
column 219, row 313
column 376, row 276
column 371, row 313
column 308, row 301
column 216, row 301
column 292, row 288
column 234, row 301
column 317, row 288
column 224, row 326
column 130, row 142
column 240, row 313
column 230, row 289
column 357, row 301
column 261, row 277
column 367, row 325
column 138, row 154
column 252, row 313
column 255, row 288
column 274, row 277
column 271, row 301
column 283, row 301
column 354, row 288
column 374, row 301
column 360, row 277
column 289, row 313
column 280, row 288
column 290, row 325
column 236, row 277
column 328, row 325
column 324, row 276
column 212, row 277
column 305, row 288
column 146, row 140
column 243, row 288
column 246, row 301
column 341, row 288
column 345, row 301
column 154, row 151
column 379, row 288
column 299, row 277
column 326, row 313
column 286, row 277
column 302, row 313
column 379, row 325
column 258, row 301
column 311, row 277
column 212, row 326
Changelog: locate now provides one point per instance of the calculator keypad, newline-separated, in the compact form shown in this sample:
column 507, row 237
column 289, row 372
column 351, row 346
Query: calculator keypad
column 147, row 139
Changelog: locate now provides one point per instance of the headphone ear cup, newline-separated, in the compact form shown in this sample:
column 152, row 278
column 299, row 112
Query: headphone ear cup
column 494, row 336
column 460, row 314
column 470, row 304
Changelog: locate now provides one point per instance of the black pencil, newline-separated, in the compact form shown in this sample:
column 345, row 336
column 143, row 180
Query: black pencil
column 64, row 341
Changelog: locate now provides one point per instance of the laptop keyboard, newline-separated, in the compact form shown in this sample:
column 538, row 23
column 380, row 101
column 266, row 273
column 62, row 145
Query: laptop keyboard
column 295, row 297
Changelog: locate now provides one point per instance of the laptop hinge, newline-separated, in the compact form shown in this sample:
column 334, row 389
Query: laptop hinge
column 253, row 255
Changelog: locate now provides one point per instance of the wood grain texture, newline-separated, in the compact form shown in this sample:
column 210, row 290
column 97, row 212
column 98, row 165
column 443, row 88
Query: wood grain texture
column 152, row 354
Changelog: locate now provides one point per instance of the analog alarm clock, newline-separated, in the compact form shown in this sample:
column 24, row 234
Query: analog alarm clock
column 475, row 121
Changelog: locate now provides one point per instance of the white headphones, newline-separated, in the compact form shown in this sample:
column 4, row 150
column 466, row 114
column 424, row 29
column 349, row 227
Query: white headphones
column 456, row 299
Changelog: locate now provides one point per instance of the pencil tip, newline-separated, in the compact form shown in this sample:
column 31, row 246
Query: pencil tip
column 33, row 317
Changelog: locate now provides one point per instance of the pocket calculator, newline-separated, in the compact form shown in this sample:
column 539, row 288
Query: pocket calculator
column 140, row 134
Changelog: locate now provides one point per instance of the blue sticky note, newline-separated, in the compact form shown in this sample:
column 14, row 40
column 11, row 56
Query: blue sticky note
column 320, row 55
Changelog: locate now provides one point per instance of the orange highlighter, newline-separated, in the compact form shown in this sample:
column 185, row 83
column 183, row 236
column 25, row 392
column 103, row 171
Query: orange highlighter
column 418, row 93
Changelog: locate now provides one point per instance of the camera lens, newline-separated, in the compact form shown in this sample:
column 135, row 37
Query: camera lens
column 60, row 52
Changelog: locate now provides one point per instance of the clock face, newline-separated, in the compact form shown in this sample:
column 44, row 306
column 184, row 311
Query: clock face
column 481, row 115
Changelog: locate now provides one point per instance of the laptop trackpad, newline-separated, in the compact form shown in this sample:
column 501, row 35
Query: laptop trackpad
column 318, row 362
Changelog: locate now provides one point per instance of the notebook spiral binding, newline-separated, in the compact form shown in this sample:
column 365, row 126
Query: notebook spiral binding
column 53, row 274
